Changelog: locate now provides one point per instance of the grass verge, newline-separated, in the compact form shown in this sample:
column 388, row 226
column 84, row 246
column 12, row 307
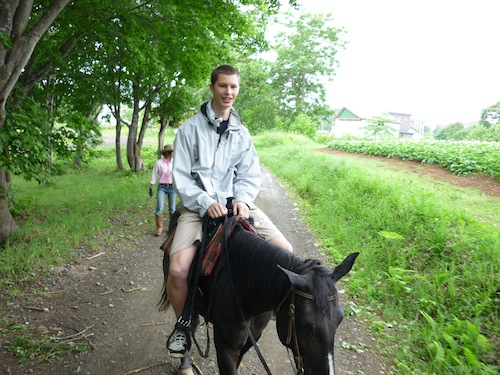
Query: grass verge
column 429, row 263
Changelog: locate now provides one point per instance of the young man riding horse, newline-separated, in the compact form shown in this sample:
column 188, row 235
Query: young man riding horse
column 215, row 159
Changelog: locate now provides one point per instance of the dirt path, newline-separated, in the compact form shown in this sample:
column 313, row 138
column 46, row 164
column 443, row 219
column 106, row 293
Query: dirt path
column 109, row 301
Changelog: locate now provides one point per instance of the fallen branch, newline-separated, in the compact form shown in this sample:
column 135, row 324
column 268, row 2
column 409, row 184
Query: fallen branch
column 145, row 368
column 75, row 335
column 197, row 369
column 43, row 309
column 134, row 289
column 97, row 255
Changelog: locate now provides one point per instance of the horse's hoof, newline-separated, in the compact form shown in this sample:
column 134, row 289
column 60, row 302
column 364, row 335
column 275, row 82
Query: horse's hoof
column 185, row 371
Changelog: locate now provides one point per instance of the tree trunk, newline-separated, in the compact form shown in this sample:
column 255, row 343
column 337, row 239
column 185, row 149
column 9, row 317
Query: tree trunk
column 8, row 225
column 118, row 146
column 164, row 123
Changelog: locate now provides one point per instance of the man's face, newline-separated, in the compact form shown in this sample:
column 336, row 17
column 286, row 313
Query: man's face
column 224, row 91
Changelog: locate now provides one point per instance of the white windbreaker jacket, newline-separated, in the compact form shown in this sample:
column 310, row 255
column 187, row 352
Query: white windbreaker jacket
column 209, row 167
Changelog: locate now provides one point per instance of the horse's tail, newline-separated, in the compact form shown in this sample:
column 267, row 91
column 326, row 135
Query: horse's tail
column 164, row 303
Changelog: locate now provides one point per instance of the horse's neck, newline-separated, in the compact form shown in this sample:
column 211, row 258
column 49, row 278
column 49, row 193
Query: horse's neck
column 262, row 283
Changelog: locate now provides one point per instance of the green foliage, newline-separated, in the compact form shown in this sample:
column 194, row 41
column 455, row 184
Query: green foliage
column 28, row 349
column 491, row 115
column 452, row 132
column 459, row 157
column 304, row 125
column 482, row 133
column 132, row 55
column 35, row 146
column 477, row 132
column 306, row 59
column 256, row 101
column 379, row 127
column 459, row 347
column 426, row 251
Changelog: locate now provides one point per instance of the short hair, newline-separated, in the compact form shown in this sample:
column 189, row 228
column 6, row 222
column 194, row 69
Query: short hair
column 223, row 69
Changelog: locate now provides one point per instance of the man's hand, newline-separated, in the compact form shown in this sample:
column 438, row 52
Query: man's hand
column 151, row 192
column 217, row 210
column 241, row 208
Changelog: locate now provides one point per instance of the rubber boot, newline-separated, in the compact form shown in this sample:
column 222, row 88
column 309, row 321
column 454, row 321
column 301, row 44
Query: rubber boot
column 159, row 225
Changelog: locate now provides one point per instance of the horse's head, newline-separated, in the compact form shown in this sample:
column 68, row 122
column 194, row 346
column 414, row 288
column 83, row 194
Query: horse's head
column 308, row 317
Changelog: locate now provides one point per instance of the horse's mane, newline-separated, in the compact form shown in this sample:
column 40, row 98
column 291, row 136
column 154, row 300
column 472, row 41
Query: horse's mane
column 254, row 261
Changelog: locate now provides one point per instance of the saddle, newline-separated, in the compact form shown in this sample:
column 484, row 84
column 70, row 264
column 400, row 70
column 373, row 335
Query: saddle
column 214, row 232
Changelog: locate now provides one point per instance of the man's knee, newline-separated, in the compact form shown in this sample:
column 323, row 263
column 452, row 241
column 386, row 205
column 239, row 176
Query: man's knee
column 180, row 262
column 282, row 242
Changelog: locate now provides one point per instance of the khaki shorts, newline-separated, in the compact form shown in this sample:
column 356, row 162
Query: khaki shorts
column 189, row 228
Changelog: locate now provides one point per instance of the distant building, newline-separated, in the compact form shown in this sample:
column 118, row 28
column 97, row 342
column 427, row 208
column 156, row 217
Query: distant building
column 404, row 120
column 347, row 123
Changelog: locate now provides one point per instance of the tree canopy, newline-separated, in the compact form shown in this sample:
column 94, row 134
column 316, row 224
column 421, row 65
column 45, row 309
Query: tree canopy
column 58, row 69
column 276, row 91
column 491, row 115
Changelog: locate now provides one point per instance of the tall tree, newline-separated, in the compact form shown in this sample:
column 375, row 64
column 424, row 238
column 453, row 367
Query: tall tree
column 257, row 100
column 306, row 59
column 19, row 34
column 491, row 115
column 382, row 126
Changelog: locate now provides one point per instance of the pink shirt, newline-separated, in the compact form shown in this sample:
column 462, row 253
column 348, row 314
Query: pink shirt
column 162, row 171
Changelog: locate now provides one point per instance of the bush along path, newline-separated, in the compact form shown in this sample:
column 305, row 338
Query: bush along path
column 98, row 315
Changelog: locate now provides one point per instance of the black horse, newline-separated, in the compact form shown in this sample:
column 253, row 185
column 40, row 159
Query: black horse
column 253, row 278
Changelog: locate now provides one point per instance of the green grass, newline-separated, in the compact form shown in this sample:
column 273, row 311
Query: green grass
column 430, row 254
column 75, row 213
column 28, row 349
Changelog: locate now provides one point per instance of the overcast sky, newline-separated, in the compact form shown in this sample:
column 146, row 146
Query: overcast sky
column 438, row 60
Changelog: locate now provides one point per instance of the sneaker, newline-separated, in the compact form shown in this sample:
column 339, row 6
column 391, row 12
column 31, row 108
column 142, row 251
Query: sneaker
column 178, row 344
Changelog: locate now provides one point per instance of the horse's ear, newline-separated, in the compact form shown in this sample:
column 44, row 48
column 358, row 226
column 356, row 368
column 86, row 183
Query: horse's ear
column 343, row 268
column 297, row 281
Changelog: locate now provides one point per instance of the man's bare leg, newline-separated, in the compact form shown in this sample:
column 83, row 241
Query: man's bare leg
column 179, row 342
column 177, row 286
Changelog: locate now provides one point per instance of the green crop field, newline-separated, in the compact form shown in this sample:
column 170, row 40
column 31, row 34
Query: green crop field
column 459, row 157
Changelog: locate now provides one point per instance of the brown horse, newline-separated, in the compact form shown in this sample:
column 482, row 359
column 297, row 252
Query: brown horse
column 253, row 278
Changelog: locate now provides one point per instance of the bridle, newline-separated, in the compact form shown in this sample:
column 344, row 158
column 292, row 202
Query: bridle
column 292, row 326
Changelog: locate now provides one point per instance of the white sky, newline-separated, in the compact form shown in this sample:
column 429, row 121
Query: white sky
column 438, row 60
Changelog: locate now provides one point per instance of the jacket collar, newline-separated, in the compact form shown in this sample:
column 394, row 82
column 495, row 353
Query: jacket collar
column 209, row 114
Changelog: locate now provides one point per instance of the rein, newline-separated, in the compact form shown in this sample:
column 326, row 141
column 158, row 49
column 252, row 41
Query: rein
column 247, row 327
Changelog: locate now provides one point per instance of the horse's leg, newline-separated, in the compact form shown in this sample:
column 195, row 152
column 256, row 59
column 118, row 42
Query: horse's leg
column 229, row 340
column 257, row 325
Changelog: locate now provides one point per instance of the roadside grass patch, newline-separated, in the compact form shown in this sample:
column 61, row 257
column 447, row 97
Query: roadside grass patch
column 74, row 214
column 27, row 348
column 430, row 255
